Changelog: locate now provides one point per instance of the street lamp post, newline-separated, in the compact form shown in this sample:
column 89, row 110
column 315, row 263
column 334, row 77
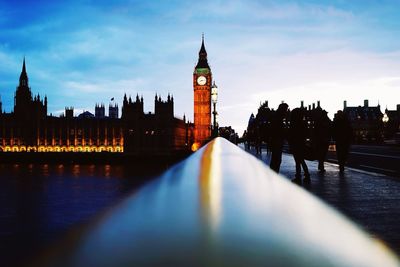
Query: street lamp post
column 385, row 120
column 214, row 99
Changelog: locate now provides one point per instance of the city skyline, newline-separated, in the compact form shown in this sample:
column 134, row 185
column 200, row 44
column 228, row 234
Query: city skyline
column 288, row 51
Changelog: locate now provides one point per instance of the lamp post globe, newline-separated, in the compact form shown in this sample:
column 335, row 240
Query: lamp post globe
column 214, row 93
column 385, row 118
column 214, row 100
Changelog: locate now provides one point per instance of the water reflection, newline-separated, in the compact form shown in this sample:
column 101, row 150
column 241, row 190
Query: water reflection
column 107, row 171
column 76, row 170
column 45, row 170
column 92, row 168
column 40, row 202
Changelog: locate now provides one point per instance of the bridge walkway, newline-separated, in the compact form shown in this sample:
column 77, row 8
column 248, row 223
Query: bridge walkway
column 370, row 199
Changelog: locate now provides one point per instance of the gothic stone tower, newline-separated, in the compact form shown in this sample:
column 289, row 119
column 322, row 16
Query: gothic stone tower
column 202, row 97
column 29, row 113
column 23, row 97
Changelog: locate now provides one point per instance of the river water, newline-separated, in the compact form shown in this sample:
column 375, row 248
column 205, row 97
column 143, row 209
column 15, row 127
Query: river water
column 41, row 203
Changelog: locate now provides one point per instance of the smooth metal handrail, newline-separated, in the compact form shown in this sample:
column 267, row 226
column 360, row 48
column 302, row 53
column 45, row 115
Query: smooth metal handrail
column 223, row 207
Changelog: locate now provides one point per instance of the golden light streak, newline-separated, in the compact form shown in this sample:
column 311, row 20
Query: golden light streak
column 210, row 184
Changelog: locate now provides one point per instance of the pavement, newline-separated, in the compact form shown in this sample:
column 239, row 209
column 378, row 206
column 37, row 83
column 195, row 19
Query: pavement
column 372, row 200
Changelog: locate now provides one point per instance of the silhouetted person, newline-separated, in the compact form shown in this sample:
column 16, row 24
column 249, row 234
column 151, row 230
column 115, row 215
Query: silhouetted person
column 277, row 136
column 297, row 143
column 257, row 140
column 342, row 133
column 267, row 139
column 246, row 140
column 322, row 136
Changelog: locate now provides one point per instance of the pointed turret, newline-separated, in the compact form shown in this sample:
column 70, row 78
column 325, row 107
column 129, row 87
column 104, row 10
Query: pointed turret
column 23, row 78
column 202, row 63
column 202, row 52
column 125, row 101
column 23, row 66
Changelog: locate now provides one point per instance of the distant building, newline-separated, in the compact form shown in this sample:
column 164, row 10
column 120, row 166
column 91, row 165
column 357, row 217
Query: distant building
column 392, row 125
column 158, row 132
column 366, row 122
column 86, row 115
column 69, row 112
column 113, row 111
column 202, row 81
column 29, row 129
column 99, row 111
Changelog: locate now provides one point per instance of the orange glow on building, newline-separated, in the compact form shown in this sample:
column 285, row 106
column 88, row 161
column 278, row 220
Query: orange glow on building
column 202, row 80
column 195, row 146
column 30, row 129
column 22, row 148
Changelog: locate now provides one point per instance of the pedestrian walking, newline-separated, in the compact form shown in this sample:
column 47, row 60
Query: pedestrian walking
column 297, row 143
column 342, row 133
column 277, row 136
column 257, row 139
column 322, row 137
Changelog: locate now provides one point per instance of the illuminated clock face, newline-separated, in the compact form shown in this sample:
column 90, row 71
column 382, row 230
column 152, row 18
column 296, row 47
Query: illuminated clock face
column 201, row 80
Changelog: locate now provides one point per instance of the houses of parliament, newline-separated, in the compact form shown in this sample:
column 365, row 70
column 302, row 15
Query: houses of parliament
column 30, row 129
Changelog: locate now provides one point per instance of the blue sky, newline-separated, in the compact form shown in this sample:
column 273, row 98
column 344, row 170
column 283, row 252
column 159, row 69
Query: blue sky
column 84, row 52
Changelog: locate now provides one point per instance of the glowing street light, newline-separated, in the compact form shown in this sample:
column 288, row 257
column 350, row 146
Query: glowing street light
column 385, row 118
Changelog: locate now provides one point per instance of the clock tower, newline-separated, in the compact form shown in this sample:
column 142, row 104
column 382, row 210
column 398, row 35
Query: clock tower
column 202, row 98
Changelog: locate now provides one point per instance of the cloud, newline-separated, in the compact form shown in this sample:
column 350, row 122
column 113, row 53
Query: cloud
column 85, row 52
column 329, row 77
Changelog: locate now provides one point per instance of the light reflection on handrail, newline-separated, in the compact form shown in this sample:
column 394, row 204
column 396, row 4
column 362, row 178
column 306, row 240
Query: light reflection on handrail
column 223, row 207
column 210, row 185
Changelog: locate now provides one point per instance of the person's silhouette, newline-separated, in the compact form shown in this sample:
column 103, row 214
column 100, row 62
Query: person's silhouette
column 297, row 143
column 322, row 136
column 277, row 136
column 342, row 133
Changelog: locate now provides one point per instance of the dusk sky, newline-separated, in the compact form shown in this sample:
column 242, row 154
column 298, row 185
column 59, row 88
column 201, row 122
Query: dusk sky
column 80, row 53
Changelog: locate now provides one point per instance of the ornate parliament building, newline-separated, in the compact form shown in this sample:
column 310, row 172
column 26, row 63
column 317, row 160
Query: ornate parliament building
column 29, row 129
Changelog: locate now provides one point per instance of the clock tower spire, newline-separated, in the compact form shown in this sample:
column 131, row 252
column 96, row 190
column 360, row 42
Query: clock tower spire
column 202, row 62
column 202, row 80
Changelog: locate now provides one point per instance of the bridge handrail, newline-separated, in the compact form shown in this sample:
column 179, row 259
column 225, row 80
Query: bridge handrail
column 223, row 207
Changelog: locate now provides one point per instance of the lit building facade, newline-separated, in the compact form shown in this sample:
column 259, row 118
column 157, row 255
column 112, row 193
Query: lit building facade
column 366, row 122
column 202, row 81
column 392, row 123
column 30, row 129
